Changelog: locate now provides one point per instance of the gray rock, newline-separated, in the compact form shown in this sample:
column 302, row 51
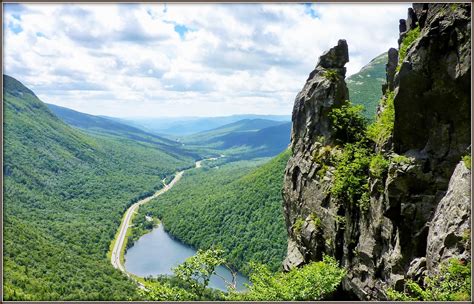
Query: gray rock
column 450, row 229
column 294, row 257
column 390, row 68
column 405, row 231
column 417, row 269
column 336, row 57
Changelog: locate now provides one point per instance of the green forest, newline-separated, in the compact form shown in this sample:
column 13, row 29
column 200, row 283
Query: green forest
column 64, row 195
column 236, row 206
column 325, row 204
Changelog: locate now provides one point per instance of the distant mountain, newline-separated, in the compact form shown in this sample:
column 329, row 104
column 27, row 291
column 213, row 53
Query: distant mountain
column 100, row 125
column 365, row 87
column 182, row 126
column 249, row 125
column 273, row 139
column 261, row 136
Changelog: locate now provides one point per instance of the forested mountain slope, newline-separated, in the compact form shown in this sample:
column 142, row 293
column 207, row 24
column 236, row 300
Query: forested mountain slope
column 64, row 195
column 101, row 125
column 365, row 86
column 244, row 139
column 236, row 206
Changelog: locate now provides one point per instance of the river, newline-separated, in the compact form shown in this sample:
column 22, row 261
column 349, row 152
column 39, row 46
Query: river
column 156, row 253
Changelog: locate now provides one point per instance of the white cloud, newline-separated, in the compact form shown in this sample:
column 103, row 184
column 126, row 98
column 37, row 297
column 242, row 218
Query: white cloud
column 185, row 59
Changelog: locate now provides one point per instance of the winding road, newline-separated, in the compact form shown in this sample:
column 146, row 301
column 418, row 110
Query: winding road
column 127, row 219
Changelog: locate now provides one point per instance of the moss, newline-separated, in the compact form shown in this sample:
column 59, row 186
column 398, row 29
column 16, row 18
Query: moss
column 466, row 237
column 331, row 74
column 315, row 219
column 467, row 161
column 298, row 226
column 410, row 37
column 381, row 130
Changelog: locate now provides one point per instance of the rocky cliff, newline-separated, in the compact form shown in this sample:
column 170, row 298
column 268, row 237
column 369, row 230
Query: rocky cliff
column 406, row 208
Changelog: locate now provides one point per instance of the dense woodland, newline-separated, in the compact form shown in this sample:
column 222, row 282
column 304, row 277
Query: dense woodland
column 236, row 206
column 64, row 196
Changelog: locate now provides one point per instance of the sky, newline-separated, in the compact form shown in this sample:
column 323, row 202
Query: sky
column 157, row 60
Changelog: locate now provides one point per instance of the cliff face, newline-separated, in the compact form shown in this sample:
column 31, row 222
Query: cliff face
column 419, row 209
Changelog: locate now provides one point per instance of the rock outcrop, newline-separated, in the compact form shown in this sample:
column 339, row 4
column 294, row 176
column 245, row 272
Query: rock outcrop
column 450, row 231
column 324, row 90
column 414, row 221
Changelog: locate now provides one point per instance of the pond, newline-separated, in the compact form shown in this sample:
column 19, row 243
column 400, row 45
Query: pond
column 156, row 253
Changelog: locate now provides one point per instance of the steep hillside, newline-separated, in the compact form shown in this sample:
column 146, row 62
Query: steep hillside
column 100, row 125
column 64, row 194
column 365, row 87
column 236, row 206
column 388, row 200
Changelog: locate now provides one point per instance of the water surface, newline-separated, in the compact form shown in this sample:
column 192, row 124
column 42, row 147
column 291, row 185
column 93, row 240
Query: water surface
column 156, row 253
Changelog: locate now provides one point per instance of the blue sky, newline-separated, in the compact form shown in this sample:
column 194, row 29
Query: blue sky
column 185, row 59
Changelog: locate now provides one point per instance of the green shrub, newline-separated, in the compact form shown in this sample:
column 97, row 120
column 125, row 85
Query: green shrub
column 381, row 130
column 298, row 226
column 467, row 161
column 331, row 74
column 378, row 166
column 410, row 37
column 314, row 281
column 350, row 176
column 401, row 160
column 315, row 219
column 453, row 283
column 348, row 123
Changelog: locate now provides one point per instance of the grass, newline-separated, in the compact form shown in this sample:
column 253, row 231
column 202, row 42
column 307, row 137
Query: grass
column 381, row 130
column 410, row 37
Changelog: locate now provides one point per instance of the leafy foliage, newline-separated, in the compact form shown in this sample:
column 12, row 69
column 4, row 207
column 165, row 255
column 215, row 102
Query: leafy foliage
column 409, row 38
column 198, row 269
column 236, row 206
column 64, row 195
column 348, row 123
column 378, row 165
column 314, row 281
column 381, row 130
column 171, row 288
column 350, row 177
column 453, row 283
column 331, row 75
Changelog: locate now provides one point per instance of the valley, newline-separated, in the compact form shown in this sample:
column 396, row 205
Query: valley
column 345, row 199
